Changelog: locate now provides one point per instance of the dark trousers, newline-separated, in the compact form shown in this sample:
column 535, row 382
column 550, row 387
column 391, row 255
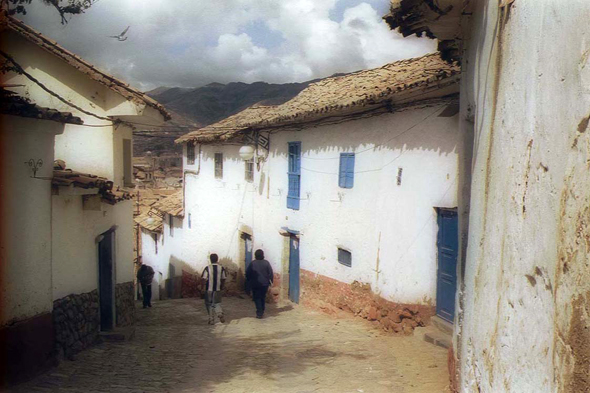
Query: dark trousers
column 146, row 289
column 259, row 297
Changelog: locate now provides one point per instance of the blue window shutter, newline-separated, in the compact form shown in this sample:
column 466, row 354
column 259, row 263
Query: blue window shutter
column 350, row 171
column 294, row 174
column 346, row 172
column 342, row 171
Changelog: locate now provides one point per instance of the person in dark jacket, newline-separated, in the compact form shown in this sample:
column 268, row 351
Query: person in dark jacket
column 259, row 276
column 145, row 275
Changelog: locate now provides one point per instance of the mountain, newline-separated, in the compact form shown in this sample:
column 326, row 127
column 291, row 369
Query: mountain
column 215, row 101
column 197, row 107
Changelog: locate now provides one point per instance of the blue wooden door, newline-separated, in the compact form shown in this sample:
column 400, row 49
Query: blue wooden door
column 448, row 244
column 294, row 269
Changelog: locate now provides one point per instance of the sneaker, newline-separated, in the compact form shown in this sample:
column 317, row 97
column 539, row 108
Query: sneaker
column 259, row 316
column 222, row 319
column 211, row 322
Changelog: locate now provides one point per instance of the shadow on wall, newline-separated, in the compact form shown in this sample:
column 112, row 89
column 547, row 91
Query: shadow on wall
column 419, row 129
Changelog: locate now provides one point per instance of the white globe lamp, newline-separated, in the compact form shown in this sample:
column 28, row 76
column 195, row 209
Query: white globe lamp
column 246, row 152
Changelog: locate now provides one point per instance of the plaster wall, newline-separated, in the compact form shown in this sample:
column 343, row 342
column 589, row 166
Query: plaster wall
column 97, row 149
column 388, row 228
column 25, row 252
column 526, row 316
column 75, row 251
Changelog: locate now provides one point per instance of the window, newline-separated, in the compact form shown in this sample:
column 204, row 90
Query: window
column 346, row 174
column 190, row 153
column 219, row 165
column 155, row 236
column 249, row 168
column 171, row 224
column 400, row 170
column 344, row 257
column 294, row 172
column 189, row 221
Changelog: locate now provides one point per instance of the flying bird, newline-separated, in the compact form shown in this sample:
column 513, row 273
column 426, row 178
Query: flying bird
column 121, row 37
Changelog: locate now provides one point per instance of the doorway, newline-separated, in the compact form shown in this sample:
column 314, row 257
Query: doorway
column 448, row 244
column 106, row 280
column 294, row 268
column 247, row 238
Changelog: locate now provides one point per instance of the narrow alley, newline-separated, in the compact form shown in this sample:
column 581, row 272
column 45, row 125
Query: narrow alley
column 293, row 349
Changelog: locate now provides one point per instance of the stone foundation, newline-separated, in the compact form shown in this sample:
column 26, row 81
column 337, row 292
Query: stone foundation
column 125, row 304
column 26, row 349
column 190, row 286
column 76, row 321
column 330, row 295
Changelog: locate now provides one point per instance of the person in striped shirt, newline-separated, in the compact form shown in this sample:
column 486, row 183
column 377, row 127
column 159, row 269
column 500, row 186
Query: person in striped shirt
column 213, row 278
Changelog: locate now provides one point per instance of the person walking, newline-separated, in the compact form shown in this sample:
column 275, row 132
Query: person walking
column 259, row 277
column 213, row 278
column 145, row 275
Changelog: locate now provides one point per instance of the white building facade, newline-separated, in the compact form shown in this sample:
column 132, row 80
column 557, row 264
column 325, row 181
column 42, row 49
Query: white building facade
column 373, row 224
column 524, row 310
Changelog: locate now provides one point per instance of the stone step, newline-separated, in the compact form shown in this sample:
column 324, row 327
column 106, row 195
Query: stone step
column 442, row 325
column 434, row 336
column 118, row 334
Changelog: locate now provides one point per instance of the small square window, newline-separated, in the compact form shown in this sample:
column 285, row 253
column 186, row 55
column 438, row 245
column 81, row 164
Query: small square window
column 344, row 257
column 219, row 165
column 249, row 170
column 190, row 153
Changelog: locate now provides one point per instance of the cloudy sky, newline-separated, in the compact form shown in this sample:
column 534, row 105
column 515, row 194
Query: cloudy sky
column 191, row 43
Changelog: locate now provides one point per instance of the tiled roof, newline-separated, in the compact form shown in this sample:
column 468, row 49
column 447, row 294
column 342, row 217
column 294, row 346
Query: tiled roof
column 171, row 205
column 68, row 178
column 393, row 84
column 12, row 104
column 439, row 19
column 81, row 65
column 143, row 221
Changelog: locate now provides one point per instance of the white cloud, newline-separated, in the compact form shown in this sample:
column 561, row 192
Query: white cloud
column 195, row 42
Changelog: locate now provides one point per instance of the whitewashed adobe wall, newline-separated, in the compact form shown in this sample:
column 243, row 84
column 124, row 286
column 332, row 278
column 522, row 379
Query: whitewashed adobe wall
column 168, row 262
column 75, row 251
column 25, row 255
column 527, row 284
column 375, row 219
column 95, row 150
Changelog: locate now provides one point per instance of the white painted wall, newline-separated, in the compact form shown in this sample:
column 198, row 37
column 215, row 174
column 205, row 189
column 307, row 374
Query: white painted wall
column 527, row 83
column 96, row 150
column 75, row 251
column 376, row 217
column 25, row 252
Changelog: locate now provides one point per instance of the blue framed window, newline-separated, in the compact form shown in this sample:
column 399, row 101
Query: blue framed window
column 346, row 173
column 294, row 173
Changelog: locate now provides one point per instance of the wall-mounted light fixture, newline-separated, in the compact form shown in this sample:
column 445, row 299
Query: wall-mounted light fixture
column 34, row 165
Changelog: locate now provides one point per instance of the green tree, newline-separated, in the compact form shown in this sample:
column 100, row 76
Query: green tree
column 63, row 7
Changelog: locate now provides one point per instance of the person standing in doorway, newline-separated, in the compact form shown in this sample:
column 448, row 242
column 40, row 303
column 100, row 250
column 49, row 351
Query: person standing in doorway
column 259, row 276
column 145, row 275
column 213, row 278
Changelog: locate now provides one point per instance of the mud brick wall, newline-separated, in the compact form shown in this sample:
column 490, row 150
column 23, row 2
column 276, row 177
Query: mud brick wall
column 125, row 304
column 274, row 292
column 76, row 321
column 190, row 285
column 330, row 295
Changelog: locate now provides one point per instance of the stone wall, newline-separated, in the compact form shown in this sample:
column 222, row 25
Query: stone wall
column 125, row 304
column 76, row 321
column 330, row 295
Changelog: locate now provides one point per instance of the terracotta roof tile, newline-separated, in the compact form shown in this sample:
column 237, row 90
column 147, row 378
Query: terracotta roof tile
column 69, row 178
column 172, row 205
column 400, row 82
column 12, row 104
column 143, row 220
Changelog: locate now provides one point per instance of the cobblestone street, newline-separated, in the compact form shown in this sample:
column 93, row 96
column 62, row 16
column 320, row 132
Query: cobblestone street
column 294, row 349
